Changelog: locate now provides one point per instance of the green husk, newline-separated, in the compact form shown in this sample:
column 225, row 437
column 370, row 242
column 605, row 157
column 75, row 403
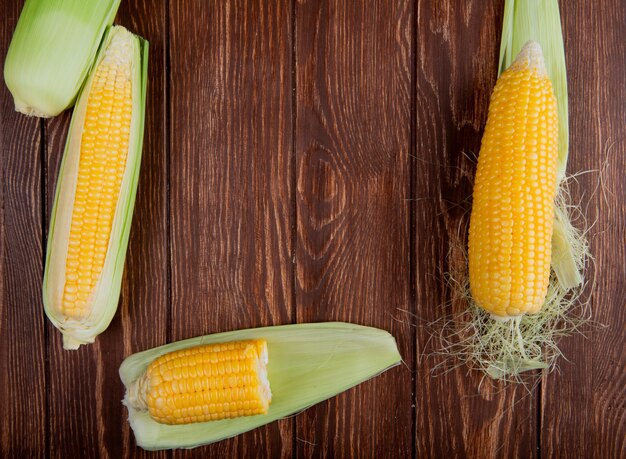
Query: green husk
column 107, row 290
column 52, row 50
column 506, row 349
column 308, row 363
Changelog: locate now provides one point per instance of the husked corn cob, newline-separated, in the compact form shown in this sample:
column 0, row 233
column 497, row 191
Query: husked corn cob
column 95, row 192
column 103, row 152
column 513, row 201
column 205, row 383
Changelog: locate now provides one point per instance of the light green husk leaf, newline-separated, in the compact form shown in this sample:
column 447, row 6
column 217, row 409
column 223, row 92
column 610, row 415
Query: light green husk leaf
column 107, row 290
column 52, row 50
column 308, row 363
column 540, row 20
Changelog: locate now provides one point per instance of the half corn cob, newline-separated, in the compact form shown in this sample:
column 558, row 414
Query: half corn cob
column 205, row 383
column 52, row 50
column 95, row 192
column 513, row 207
column 167, row 388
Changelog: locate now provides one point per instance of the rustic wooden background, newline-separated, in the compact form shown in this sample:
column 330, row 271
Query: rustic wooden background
column 310, row 160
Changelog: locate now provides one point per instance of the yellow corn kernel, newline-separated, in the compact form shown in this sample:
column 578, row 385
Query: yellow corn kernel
column 206, row 383
column 513, row 203
column 103, row 151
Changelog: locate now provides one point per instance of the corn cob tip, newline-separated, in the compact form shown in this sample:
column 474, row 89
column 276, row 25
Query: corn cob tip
column 120, row 50
column 531, row 57
column 137, row 392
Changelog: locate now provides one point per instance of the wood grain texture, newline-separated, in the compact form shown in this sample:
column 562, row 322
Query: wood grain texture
column 584, row 404
column 22, row 331
column 86, row 414
column 457, row 55
column 353, row 86
column 144, row 312
column 312, row 160
column 230, row 180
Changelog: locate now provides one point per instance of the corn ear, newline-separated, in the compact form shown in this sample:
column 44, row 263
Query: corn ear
column 506, row 346
column 95, row 192
column 514, row 190
column 52, row 50
column 308, row 363
column 540, row 20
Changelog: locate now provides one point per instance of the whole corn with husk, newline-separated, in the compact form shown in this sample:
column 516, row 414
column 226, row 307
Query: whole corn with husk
column 513, row 203
column 526, row 259
column 95, row 192
column 205, row 389
column 52, row 50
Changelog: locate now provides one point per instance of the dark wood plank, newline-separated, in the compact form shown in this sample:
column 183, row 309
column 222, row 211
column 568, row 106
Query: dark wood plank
column 269, row 228
column 584, row 404
column 86, row 416
column 22, row 331
column 353, row 92
column 457, row 58
column 144, row 305
column 230, row 181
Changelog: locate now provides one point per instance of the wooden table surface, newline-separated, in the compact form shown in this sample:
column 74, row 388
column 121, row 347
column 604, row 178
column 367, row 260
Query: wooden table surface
column 305, row 161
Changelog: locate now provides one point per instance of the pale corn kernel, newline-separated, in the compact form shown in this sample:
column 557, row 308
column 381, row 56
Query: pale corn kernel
column 101, row 167
column 513, row 202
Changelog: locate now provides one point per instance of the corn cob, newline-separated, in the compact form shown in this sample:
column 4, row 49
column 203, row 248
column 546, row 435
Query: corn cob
column 52, row 50
column 95, row 193
column 309, row 363
column 526, row 258
column 205, row 383
column 516, row 181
